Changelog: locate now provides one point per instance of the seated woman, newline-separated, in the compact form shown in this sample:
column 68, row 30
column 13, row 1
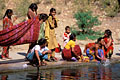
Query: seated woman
column 95, row 52
column 39, row 52
column 72, row 50
column 99, row 51
column 108, row 43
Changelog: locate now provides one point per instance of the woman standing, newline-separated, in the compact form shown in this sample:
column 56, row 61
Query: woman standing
column 51, row 24
column 7, row 22
column 32, row 13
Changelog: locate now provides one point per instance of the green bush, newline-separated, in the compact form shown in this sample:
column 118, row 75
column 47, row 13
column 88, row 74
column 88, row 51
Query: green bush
column 86, row 21
column 92, row 34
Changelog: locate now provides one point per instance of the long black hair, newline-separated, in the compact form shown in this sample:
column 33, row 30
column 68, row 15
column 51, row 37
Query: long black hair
column 51, row 10
column 108, row 32
column 42, row 41
column 8, row 11
column 99, row 39
column 33, row 7
column 43, row 16
column 72, row 36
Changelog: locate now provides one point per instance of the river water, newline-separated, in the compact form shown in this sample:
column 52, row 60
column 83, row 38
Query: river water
column 93, row 72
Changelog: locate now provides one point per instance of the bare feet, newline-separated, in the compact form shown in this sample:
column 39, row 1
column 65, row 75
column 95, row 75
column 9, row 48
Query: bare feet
column 44, row 63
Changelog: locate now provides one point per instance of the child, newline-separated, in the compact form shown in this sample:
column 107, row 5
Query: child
column 66, row 35
column 72, row 50
column 39, row 52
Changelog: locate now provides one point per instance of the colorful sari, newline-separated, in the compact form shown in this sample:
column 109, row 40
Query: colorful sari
column 22, row 33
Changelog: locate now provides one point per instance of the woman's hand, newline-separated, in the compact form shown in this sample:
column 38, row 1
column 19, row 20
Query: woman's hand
column 39, row 63
column 44, row 52
column 49, row 51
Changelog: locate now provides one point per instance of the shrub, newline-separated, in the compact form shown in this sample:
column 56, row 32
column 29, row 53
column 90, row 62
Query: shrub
column 86, row 21
column 92, row 34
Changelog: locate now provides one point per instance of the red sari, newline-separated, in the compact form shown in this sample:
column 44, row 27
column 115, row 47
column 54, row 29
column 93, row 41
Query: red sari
column 109, row 49
column 67, row 53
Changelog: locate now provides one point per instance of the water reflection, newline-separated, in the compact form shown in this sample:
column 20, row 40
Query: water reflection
column 4, row 77
column 87, row 73
column 75, row 73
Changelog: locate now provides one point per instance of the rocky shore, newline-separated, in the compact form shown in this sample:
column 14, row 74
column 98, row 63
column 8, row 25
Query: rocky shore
column 18, row 63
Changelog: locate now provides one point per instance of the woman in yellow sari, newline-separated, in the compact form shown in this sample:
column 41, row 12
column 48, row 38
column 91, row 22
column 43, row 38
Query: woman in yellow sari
column 50, row 26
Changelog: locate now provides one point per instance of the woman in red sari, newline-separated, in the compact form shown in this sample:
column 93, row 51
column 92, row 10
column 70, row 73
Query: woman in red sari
column 108, row 44
column 7, row 22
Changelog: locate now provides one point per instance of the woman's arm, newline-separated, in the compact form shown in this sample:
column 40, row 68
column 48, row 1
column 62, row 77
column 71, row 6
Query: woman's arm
column 37, row 55
column 109, row 43
column 48, row 51
column 96, row 51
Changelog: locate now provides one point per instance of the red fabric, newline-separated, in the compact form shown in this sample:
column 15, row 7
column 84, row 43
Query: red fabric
column 22, row 33
column 67, row 55
column 57, row 50
column 7, row 23
column 78, row 50
column 65, row 34
column 90, row 44
column 5, row 52
column 109, row 48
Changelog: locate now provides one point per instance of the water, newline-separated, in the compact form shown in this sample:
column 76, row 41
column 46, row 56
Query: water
column 94, row 72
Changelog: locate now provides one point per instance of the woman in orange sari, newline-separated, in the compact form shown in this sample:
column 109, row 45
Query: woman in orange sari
column 7, row 22
column 108, row 44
